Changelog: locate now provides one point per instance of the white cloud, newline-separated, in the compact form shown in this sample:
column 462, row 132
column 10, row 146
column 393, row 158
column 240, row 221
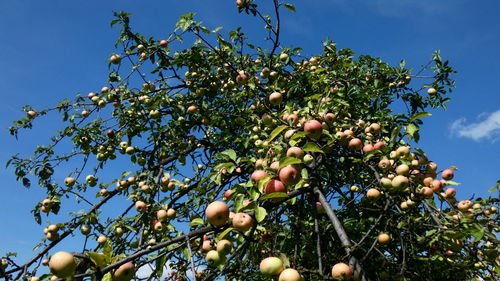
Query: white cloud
column 488, row 128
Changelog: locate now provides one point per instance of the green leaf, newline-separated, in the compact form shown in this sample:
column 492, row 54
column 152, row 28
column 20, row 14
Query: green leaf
column 284, row 259
column 312, row 147
column 274, row 195
column 411, row 130
column 289, row 161
column 107, row 277
column 197, row 221
column 260, row 214
column 276, row 132
column 229, row 153
column 289, row 7
column 99, row 259
column 452, row 183
column 419, row 115
column 224, row 233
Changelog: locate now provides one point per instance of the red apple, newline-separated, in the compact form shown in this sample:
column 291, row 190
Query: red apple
column 314, row 128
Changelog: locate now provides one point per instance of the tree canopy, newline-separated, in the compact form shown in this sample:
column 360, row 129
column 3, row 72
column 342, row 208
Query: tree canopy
column 248, row 162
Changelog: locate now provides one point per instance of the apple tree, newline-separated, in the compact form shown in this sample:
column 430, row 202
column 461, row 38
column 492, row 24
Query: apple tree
column 207, row 157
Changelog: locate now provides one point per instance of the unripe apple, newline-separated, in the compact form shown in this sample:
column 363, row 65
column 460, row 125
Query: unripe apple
column 342, row 270
column 373, row 193
column 308, row 158
column 52, row 236
column 400, row 182
column 85, row 229
column 383, row 238
column 141, row 207
column 217, row 213
column 224, row 246
column 271, row 266
column 295, row 151
column 289, row 175
column 290, row 274
column 431, row 91
column 314, row 128
column 275, row 98
column 62, row 264
column 213, row 258
column 242, row 221
column 387, row 183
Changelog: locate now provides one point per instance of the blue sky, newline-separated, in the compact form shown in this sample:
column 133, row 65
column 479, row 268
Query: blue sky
column 52, row 50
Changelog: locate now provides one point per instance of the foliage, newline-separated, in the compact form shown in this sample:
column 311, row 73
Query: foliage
column 196, row 121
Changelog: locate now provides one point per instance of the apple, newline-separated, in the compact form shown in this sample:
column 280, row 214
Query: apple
column 125, row 272
column 242, row 78
column 293, row 119
column 163, row 43
column 62, row 264
column 355, row 144
column 102, row 239
column 224, row 246
column 119, row 231
column 308, row 158
column 319, row 208
column 242, row 221
column 115, row 59
column 85, row 229
column 206, row 245
column 289, row 175
column 289, row 134
column 428, row 181
column 217, row 213
column 241, row 3
column 273, row 186
column 314, row 129
column 227, row 193
column 436, row 185
column 275, row 98
column 387, row 183
column 427, row 192
column 52, row 228
column 295, row 151
column 403, row 170
column 447, row 174
column 384, row 164
column 342, row 270
column 141, row 207
column 400, row 182
column 258, row 175
column 367, row 148
column 69, row 181
column 378, row 145
column 431, row 91
column 213, row 258
column 31, row 114
column 373, row 193
column 384, row 238
column 275, row 166
column 192, row 109
column 464, row 205
column 161, row 215
column 290, row 274
column 330, row 117
column 271, row 266
column 171, row 213
column 52, row 236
